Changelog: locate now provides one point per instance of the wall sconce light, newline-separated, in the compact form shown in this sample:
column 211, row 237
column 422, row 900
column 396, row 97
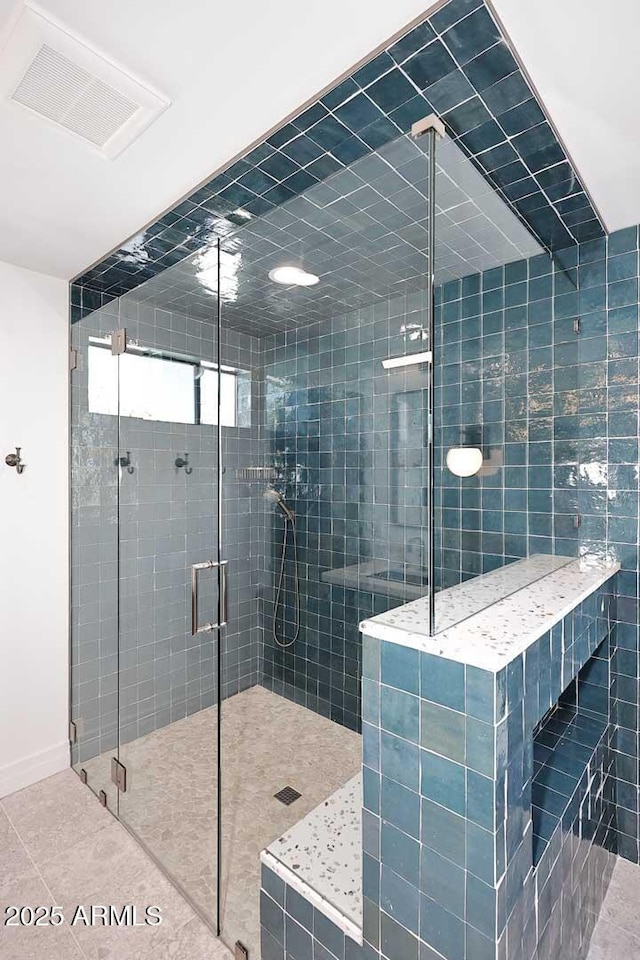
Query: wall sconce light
column 464, row 461
column 467, row 459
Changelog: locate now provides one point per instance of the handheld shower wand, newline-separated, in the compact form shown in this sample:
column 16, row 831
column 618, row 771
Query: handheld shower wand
column 276, row 498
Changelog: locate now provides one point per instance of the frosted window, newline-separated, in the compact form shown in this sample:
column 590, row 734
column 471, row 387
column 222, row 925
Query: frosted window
column 155, row 389
column 151, row 388
column 209, row 398
column 158, row 388
column 103, row 381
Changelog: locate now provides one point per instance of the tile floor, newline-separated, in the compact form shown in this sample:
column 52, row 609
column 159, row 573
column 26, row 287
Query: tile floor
column 59, row 847
column 170, row 804
column 617, row 932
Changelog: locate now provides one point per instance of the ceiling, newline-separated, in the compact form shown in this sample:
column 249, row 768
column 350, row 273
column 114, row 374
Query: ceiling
column 582, row 56
column 228, row 71
column 231, row 70
column 364, row 232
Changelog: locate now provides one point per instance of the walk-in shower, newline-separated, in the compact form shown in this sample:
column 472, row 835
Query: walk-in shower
column 285, row 447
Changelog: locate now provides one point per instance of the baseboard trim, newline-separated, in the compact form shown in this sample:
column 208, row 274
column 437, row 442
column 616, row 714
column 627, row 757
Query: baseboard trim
column 22, row 773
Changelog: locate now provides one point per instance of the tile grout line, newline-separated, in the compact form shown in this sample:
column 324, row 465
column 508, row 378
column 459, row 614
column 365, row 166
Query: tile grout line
column 41, row 877
column 604, row 922
column 176, row 930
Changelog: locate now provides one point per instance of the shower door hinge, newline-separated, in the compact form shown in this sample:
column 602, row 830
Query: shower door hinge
column 576, row 325
column 119, row 774
column 73, row 359
column 432, row 122
column 73, row 732
column 577, row 520
column 119, row 342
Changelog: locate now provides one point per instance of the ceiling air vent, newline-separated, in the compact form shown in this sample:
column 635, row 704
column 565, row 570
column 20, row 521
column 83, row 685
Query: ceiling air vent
column 63, row 92
column 61, row 78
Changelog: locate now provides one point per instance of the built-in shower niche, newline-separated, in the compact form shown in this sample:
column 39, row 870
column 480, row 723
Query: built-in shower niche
column 572, row 786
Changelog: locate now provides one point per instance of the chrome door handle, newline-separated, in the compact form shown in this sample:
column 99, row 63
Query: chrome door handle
column 195, row 569
column 223, row 594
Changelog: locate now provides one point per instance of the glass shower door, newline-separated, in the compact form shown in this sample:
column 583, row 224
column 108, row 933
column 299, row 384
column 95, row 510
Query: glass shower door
column 326, row 494
column 94, row 551
column 170, row 579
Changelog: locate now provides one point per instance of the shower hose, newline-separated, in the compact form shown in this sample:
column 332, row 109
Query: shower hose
column 288, row 519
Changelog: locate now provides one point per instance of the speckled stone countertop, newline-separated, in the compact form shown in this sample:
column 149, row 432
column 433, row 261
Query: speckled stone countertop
column 321, row 857
column 497, row 634
column 461, row 601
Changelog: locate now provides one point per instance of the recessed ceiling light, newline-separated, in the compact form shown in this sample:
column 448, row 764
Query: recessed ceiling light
column 293, row 277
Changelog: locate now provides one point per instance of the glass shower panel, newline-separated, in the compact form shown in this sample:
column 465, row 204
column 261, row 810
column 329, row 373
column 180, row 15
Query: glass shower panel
column 168, row 525
column 392, row 433
column 597, row 455
column 326, row 486
column 94, row 554
column 494, row 398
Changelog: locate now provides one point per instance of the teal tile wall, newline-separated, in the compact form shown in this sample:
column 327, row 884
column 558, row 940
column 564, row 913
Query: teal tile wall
column 470, row 851
column 451, row 866
column 506, row 376
column 559, row 406
column 348, row 441
column 541, row 359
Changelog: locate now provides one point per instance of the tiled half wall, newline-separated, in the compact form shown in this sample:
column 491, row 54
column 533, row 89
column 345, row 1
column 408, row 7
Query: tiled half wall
column 452, row 762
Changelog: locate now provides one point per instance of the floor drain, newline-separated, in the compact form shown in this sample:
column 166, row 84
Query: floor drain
column 287, row 795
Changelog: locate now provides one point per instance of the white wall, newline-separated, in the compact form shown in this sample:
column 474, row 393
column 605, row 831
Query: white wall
column 34, row 574
column 232, row 71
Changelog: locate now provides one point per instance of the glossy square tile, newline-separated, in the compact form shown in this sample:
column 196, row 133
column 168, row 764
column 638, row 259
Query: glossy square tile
column 347, row 124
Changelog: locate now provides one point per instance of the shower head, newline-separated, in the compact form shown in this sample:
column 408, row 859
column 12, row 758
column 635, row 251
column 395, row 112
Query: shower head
column 272, row 495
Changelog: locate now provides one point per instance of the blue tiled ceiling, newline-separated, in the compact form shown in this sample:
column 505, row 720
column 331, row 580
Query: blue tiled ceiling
column 363, row 232
column 456, row 64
